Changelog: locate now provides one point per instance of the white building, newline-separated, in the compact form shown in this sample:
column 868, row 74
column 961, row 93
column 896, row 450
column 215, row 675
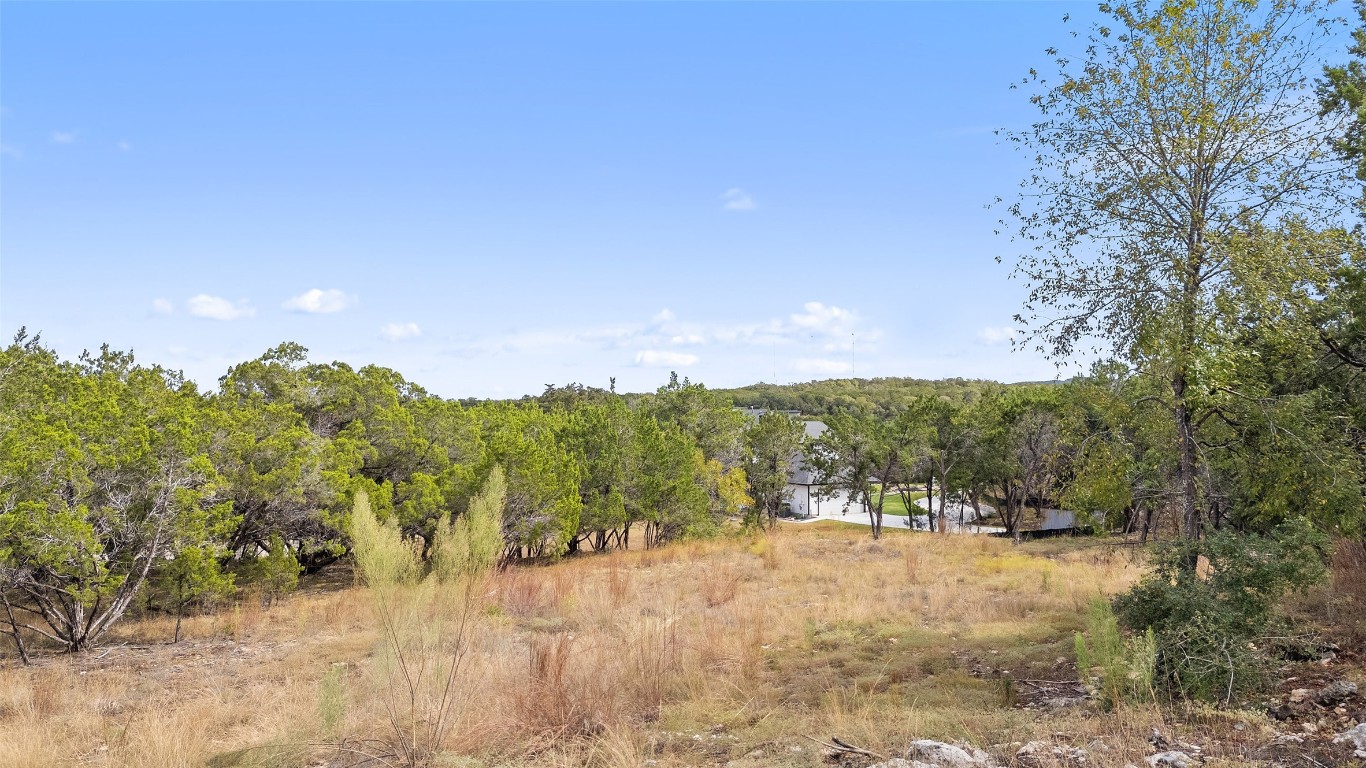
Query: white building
column 802, row 497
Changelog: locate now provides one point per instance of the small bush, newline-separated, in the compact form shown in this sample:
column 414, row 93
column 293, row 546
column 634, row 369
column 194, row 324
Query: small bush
column 275, row 573
column 1207, row 620
column 1122, row 670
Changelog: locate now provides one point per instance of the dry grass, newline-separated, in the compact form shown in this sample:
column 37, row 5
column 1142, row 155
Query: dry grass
column 698, row 654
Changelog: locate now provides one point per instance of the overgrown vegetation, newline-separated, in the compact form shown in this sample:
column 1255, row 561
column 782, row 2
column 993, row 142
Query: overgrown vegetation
column 1210, row 622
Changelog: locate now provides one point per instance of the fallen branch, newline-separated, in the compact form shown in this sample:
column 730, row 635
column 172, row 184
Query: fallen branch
column 844, row 746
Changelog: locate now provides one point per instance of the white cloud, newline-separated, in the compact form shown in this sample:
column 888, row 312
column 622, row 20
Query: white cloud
column 9, row 150
column 818, row 318
column 661, row 358
column 162, row 306
column 320, row 302
column 736, row 199
column 218, row 308
column 663, row 316
column 400, row 331
column 821, row 366
column 993, row 336
column 63, row 137
column 125, row 145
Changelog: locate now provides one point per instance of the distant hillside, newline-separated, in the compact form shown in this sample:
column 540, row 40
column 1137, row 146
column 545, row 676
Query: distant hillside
column 885, row 396
column 882, row 395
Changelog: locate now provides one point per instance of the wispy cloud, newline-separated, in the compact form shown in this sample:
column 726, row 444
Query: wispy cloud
column 400, row 331
column 736, row 199
column 821, row 366
column 992, row 336
column 125, row 145
column 655, row 358
column 666, row 340
column 9, row 150
column 320, row 302
column 63, row 137
column 218, row 308
column 163, row 306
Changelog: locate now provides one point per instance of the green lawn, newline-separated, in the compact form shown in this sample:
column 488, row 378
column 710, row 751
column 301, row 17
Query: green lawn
column 893, row 505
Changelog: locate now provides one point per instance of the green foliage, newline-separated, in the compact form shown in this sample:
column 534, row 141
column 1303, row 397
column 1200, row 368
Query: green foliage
column 426, row 619
column 332, row 701
column 772, row 447
column 1121, row 669
column 706, row 416
column 1343, row 92
column 384, row 558
column 470, row 546
column 883, row 397
column 1175, row 175
column 275, row 572
column 105, row 482
column 1207, row 618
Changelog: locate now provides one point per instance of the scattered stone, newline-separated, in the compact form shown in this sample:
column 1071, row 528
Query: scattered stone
column 1310, row 728
column 1336, row 693
column 940, row 755
column 1097, row 745
column 1036, row 754
column 1171, row 760
column 1300, row 695
column 1063, row 702
column 1285, row 739
column 1356, row 737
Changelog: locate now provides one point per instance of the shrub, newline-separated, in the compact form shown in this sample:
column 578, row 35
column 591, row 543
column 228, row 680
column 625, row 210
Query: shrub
column 275, row 573
column 1120, row 669
column 1209, row 602
column 427, row 623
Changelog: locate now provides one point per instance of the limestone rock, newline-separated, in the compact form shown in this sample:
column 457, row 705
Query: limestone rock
column 941, row 755
column 1336, row 693
column 1171, row 759
column 1036, row 754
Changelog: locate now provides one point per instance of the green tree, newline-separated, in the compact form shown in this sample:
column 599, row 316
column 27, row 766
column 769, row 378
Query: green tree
column 706, row 416
column 772, row 447
column 949, row 432
column 1163, row 150
column 865, row 457
column 542, row 510
column 1342, row 92
column 105, row 479
column 600, row 436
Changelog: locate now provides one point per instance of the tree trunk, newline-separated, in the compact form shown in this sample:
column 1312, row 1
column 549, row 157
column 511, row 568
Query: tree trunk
column 929, row 501
column 14, row 627
column 943, row 501
column 874, row 518
column 1185, row 436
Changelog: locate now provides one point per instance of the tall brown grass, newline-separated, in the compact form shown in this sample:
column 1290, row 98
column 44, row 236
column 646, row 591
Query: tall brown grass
column 697, row 654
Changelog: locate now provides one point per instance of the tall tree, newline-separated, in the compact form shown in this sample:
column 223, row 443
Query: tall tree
column 105, row 479
column 864, row 457
column 1343, row 92
column 1177, row 133
column 772, row 446
column 949, row 432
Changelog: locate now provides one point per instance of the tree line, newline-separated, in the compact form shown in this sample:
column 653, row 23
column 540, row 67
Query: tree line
column 123, row 485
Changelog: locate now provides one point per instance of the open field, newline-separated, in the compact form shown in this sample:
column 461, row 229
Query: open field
column 728, row 652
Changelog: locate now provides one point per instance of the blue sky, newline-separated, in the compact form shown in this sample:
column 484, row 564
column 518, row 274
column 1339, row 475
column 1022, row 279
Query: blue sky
column 493, row 197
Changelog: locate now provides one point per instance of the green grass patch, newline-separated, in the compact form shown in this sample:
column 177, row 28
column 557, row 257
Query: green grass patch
column 895, row 505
